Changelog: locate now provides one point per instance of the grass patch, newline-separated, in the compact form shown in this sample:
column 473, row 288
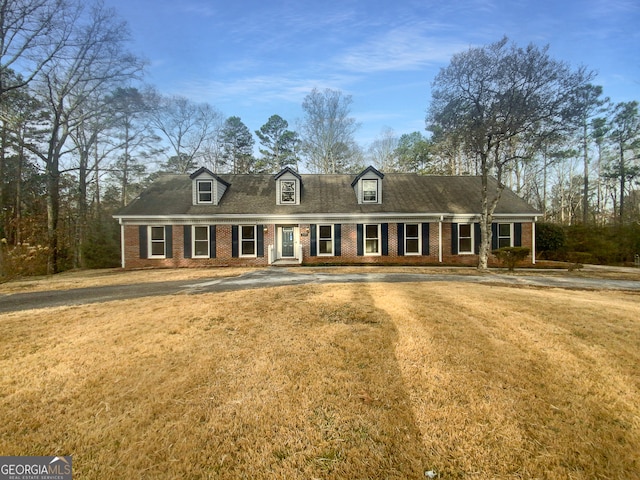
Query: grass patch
column 325, row 381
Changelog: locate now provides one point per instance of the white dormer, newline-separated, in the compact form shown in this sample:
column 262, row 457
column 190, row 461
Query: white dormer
column 207, row 187
column 288, row 186
column 368, row 186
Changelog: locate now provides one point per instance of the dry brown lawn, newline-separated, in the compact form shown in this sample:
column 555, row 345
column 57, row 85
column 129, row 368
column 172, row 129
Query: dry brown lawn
column 357, row 381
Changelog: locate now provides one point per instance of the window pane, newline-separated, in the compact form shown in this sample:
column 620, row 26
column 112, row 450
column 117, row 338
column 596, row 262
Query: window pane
column 325, row 231
column 157, row 248
column 157, row 233
column 504, row 229
column 371, row 231
column 371, row 246
column 326, row 247
column 248, row 232
column 504, row 242
column 248, row 248
column 411, row 231
column 465, row 230
column 204, row 186
column 412, row 245
column 465, row 245
column 369, row 190
column 202, row 248
column 201, row 233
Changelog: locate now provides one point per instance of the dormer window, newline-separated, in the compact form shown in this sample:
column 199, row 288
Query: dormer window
column 288, row 185
column 205, row 191
column 288, row 191
column 370, row 191
column 368, row 186
column 207, row 188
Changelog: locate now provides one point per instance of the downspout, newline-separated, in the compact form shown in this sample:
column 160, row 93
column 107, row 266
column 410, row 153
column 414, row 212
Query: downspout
column 533, row 240
column 440, row 238
column 121, row 244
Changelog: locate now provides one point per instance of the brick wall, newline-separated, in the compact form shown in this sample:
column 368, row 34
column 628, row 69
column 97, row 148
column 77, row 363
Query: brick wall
column 348, row 249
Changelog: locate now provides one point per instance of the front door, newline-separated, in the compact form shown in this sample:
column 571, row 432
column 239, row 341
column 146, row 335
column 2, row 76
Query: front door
column 287, row 246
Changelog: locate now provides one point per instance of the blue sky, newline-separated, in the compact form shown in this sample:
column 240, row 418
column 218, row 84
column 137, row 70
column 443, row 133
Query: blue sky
column 254, row 58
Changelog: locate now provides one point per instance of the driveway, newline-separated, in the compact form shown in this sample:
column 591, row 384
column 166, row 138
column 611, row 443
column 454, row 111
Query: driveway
column 274, row 277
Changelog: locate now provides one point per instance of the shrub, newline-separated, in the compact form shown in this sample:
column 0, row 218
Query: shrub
column 510, row 256
column 22, row 259
column 550, row 241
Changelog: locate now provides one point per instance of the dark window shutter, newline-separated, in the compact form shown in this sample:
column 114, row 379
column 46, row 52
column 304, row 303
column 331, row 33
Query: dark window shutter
column 212, row 241
column 385, row 238
column 313, row 247
column 142, row 240
column 360, row 239
column 454, row 238
column 517, row 234
column 234, row 241
column 494, row 236
column 337, row 232
column 425, row 239
column 187, row 241
column 168, row 241
column 400, row 239
column 260, row 240
column 477, row 235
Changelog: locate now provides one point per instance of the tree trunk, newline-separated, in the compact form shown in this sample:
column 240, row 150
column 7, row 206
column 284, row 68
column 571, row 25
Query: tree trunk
column 585, row 195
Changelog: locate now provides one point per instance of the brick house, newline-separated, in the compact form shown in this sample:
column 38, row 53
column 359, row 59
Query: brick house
column 204, row 219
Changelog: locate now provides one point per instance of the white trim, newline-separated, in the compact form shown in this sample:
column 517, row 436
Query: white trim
column 440, row 240
column 212, row 192
column 317, row 218
column 255, row 242
column 533, row 241
column 333, row 240
column 471, row 237
column 376, row 182
column 280, row 238
column 150, row 241
column 419, row 252
column 378, row 238
column 511, row 233
column 122, row 252
column 193, row 241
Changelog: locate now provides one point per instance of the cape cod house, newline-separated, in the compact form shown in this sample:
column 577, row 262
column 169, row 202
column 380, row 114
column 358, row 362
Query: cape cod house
column 204, row 219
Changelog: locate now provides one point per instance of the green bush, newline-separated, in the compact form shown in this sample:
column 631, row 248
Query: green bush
column 550, row 241
column 510, row 256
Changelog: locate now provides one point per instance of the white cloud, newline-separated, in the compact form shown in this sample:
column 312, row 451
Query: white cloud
column 399, row 49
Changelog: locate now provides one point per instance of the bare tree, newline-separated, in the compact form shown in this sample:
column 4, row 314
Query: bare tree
column 32, row 33
column 188, row 127
column 93, row 63
column 382, row 151
column 490, row 95
column 327, row 131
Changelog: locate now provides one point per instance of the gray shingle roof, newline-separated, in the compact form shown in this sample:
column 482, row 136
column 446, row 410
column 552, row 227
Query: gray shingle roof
column 324, row 194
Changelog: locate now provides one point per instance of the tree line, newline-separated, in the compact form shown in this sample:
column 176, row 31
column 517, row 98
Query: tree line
column 81, row 135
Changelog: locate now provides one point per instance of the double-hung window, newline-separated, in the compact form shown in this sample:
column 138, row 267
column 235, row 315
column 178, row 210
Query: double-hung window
column 157, row 242
column 205, row 191
column 412, row 239
column 505, row 237
column 200, row 241
column 325, row 239
column 248, row 241
column 370, row 191
column 465, row 238
column 372, row 239
column 287, row 191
